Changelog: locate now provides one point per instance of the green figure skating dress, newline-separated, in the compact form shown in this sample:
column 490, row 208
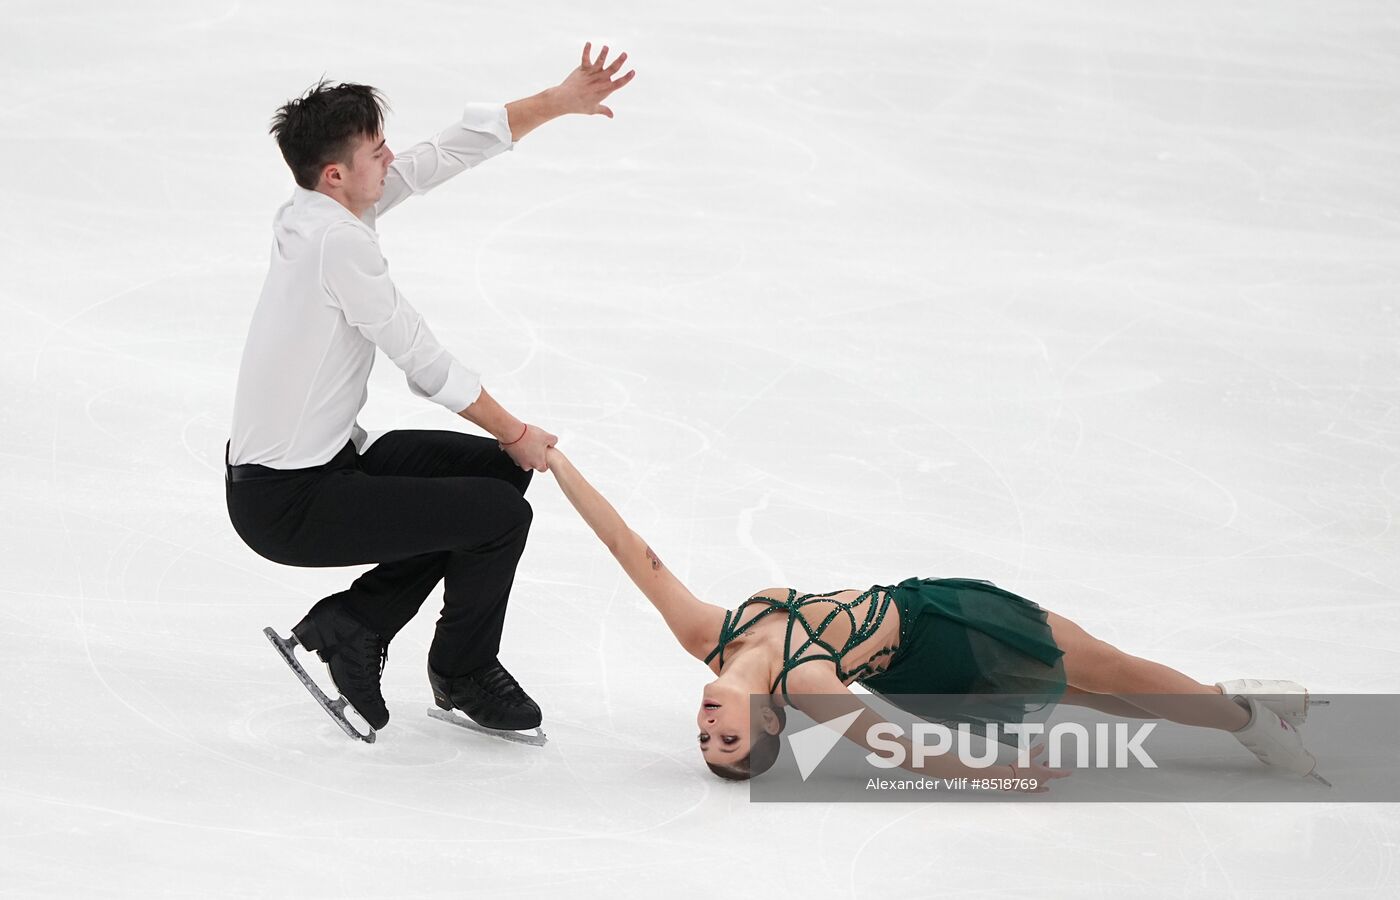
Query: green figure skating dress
column 959, row 640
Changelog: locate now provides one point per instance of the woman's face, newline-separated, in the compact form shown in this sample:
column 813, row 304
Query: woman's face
column 724, row 725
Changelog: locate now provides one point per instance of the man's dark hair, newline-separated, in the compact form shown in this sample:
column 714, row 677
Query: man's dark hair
column 321, row 126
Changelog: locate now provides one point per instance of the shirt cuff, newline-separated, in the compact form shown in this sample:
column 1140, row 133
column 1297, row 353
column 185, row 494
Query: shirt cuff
column 461, row 390
column 489, row 118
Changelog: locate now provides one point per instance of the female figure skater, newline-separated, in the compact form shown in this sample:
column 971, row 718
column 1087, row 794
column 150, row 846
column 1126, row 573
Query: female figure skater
column 920, row 637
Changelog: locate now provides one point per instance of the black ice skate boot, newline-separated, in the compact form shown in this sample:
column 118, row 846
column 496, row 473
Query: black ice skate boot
column 354, row 654
column 493, row 701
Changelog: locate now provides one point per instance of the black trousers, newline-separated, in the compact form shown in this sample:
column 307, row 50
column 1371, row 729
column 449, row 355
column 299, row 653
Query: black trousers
column 427, row 506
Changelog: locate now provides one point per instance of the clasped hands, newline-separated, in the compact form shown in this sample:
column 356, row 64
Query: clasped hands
column 528, row 452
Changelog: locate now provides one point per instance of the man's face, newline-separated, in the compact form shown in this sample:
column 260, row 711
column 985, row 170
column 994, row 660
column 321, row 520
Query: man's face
column 361, row 181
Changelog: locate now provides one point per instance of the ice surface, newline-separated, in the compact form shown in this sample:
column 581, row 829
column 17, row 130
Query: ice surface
column 1094, row 300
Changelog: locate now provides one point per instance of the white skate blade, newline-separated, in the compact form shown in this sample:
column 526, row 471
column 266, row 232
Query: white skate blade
column 334, row 708
column 454, row 717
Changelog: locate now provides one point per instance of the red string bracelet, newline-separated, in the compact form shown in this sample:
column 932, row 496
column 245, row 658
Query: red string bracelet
column 517, row 440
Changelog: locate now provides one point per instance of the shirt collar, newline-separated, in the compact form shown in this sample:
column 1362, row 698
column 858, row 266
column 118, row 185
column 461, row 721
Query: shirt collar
column 319, row 205
column 315, row 200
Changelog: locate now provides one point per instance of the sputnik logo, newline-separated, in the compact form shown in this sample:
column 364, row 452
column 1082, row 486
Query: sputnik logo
column 812, row 744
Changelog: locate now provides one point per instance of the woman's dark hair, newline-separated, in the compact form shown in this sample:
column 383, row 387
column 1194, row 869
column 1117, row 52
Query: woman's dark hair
column 320, row 127
column 762, row 754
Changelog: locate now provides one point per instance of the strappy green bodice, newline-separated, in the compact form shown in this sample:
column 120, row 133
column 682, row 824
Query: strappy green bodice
column 813, row 646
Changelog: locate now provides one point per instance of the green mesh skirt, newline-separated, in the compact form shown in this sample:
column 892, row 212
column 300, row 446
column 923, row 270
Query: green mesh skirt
column 970, row 651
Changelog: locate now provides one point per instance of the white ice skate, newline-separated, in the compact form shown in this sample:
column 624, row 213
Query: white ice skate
column 1276, row 742
column 1288, row 699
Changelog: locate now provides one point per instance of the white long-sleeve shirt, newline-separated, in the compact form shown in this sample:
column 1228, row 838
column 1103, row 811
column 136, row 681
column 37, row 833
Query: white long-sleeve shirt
column 328, row 302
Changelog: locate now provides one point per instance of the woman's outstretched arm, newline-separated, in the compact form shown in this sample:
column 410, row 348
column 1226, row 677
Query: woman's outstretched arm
column 695, row 624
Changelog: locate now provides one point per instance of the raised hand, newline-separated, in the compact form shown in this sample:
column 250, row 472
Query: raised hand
column 586, row 87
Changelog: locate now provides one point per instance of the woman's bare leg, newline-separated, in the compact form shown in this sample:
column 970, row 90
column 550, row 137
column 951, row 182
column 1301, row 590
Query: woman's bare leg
column 1105, row 703
column 1098, row 667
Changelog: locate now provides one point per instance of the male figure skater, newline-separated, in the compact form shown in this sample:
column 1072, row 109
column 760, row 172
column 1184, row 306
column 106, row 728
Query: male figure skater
column 306, row 486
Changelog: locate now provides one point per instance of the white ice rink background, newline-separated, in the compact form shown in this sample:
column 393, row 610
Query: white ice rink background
column 1094, row 300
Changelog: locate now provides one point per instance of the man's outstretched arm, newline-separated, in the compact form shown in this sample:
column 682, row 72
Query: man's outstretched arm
column 480, row 134
column 485, row 130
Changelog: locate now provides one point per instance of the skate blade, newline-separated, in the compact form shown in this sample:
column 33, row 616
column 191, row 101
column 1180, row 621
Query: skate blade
column 452, row 717
column 334, row 708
